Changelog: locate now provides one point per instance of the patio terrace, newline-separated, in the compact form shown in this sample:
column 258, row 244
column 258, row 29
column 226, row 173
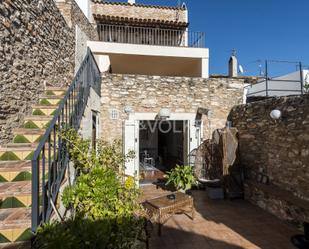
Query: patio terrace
column 221, row 224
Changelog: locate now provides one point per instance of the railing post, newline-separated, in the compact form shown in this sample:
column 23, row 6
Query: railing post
column 266, row 74
column 35, row 212
column 301, row 78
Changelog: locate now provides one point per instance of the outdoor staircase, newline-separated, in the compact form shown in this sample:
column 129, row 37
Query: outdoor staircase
column 15, row 172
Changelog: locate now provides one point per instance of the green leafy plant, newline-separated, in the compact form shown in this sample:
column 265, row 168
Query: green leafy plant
column 88, row 234
column 101, row 194
column 103, row 201
column 181, row 177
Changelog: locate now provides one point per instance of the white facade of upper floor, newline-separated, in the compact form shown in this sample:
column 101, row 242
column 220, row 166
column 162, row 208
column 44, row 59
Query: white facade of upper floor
column 152, row 52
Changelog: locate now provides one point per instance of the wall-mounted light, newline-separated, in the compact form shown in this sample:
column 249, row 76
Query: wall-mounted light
column 276, row 114
column 128, row 109
column 164, row 113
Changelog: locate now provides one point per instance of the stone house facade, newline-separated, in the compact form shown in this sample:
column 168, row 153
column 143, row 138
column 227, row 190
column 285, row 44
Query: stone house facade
column 148, row 94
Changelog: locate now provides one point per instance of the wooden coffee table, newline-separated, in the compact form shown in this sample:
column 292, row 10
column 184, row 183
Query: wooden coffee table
column 160, row 209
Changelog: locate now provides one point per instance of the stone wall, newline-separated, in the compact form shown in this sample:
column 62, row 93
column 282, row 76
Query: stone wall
column 280, row 151
column 37, row 48
column 179, row 94
column 138, row 11
column 80, row 25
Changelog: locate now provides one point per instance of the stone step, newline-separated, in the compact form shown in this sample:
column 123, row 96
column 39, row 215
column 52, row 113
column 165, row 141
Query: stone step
column 15, row 166
column 59, row 91
column 44, row 96
column 37, row 122
column 56, row 88
column 15, row 194
column 19, row 145
column 23, row 135
column 16, row 245
column 15, row 225
column 24, row 131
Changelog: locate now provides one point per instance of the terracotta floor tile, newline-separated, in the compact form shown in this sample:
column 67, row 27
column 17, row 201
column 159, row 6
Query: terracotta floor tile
column 221, row 224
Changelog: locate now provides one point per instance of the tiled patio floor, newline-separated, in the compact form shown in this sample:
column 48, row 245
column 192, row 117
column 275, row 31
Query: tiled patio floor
column 221, row 225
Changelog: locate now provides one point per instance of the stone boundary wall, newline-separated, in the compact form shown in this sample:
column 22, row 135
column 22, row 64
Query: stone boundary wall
column 278, row 149
column 179, row 94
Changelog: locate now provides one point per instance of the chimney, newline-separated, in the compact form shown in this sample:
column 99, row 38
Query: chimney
column 233, row 66
column 131, row 2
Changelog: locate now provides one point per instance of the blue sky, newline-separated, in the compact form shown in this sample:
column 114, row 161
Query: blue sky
column 257, row 29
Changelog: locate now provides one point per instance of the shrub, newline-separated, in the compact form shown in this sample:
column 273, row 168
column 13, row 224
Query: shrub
column 104, row 203
column 88, row 234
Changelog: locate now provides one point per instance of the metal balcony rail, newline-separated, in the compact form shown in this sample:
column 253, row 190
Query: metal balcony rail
column 269, row 86
column 150, row 36
column 51, row 159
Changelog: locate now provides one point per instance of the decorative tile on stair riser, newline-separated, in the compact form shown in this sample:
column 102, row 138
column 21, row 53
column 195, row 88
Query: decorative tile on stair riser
column 15, row 235
column 47, row 102
column 19, row 176
column 16, row 155
column 28, row 139
column 15, row 176
column 23, row 139
column 44, row 112
column 36, row 124
column 16, row 202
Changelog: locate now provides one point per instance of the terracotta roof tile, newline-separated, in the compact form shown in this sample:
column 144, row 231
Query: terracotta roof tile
column 139, row 20
column 139, row 5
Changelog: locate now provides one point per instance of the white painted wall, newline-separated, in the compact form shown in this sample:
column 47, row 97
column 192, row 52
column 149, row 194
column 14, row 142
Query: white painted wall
column 181, row 58
column 84, row 5
column 292, row 88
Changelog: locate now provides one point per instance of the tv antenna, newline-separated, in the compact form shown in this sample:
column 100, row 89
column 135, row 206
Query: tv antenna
column 234, row 52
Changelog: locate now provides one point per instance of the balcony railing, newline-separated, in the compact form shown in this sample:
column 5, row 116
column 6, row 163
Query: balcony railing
column 150, row 36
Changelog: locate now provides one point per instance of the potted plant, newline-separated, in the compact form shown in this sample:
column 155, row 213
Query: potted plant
column 181, row 177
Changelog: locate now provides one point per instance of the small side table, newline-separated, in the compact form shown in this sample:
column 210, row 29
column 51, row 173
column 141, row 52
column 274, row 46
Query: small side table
column 160, row 209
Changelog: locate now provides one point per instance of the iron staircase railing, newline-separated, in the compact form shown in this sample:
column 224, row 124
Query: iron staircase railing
column 51, row 158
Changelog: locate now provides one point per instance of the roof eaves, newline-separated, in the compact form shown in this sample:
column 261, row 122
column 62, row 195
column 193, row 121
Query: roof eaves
column 140, row 5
